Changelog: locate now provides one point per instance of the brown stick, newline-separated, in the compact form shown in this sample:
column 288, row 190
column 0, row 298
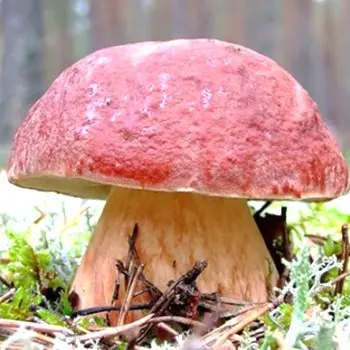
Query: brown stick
column 224, row 300
column 7, row 295
column 132, row 253
column 214, row 334
column 173, row 333
column 163, row 302
column 100, row 309
column 240, row 310
column 155, row 292
column 245, row 321
column 259, row 311
column 345, row 258
column 188, row 278
column 262, row 208
column 116, row 290
column 337, row 279
column 177, row 319
column 35, row 338
column 319, row 240
column 129, row 295
column 113, row 331
column 4, row 323
column 4, row 281
column 141, row 292
column 287, row 249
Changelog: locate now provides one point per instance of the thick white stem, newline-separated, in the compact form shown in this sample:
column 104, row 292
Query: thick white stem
column 175, row 230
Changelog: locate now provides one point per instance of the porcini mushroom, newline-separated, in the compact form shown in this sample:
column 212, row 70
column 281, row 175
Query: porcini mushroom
column 177, row 136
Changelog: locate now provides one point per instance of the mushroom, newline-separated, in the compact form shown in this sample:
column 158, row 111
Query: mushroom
column 177, row 136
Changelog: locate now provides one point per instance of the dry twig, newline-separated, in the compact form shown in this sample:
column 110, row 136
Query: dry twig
column 165, row 327
column 5, row 282
column 344, row 257
column 132, row 253
column 39, row 338
column 100, row 309
column 287, row 249
column 7, row 295
column 112, row 331
column 164, row 301
column 129, row 295
column 340, row 277
column 262, row 209
column 188, row 278
column 115, row 295
column 178, row 319
column 44, row 328
column 247, row 319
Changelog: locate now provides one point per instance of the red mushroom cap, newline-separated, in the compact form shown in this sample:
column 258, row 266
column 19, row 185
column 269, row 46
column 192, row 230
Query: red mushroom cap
column 185, row 115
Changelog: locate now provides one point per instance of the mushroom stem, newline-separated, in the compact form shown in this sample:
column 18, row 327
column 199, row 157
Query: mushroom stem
column 176, row 230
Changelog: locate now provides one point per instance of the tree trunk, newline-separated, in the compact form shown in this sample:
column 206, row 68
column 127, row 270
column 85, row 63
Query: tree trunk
column 320, row 58
column 337, row 41
column 138, row 23
column 21, row 81
column 297, row 37
column 198, row 19
column 261, row 26
column 330, row 56
column 161, row 26
column 107, row 23
column 58, row 39
column 228, row 17
column 191, row 19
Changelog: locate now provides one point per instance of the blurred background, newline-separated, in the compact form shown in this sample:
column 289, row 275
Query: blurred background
column 40, row 38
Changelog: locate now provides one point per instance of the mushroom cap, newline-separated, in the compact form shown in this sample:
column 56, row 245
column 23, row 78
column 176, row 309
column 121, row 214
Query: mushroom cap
column 196, row 115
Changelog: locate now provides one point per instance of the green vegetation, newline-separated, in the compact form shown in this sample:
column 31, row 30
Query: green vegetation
column 38, row 263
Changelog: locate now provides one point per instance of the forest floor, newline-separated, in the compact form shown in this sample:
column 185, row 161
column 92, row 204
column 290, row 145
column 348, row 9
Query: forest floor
column 44, row 235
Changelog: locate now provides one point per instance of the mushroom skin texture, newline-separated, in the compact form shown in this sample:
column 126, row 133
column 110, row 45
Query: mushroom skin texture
column 200, row 122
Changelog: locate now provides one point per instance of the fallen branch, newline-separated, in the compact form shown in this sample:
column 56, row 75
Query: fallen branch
column 129, row 295
column 115, row 295
column 100, row 309
column 171, row 331
column 45, row 328
column 5, row 282
column 7, row 295
column 178, row 319
column 248, row 319
column 132, row 253
column 17, row 343
column 125, row 269
column 340, row 277
column 112, row 331
column 213, row 297
column 262, row 209
column 344, row 257
column 287, row 249
column 163, row 302
column 188, row 278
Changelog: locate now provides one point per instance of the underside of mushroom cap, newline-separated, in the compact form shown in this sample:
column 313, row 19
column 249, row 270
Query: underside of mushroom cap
column 196, row 115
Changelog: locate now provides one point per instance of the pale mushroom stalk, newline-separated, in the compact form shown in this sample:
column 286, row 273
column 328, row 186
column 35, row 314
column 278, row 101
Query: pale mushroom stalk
column 176, row 230
column 177, row 136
